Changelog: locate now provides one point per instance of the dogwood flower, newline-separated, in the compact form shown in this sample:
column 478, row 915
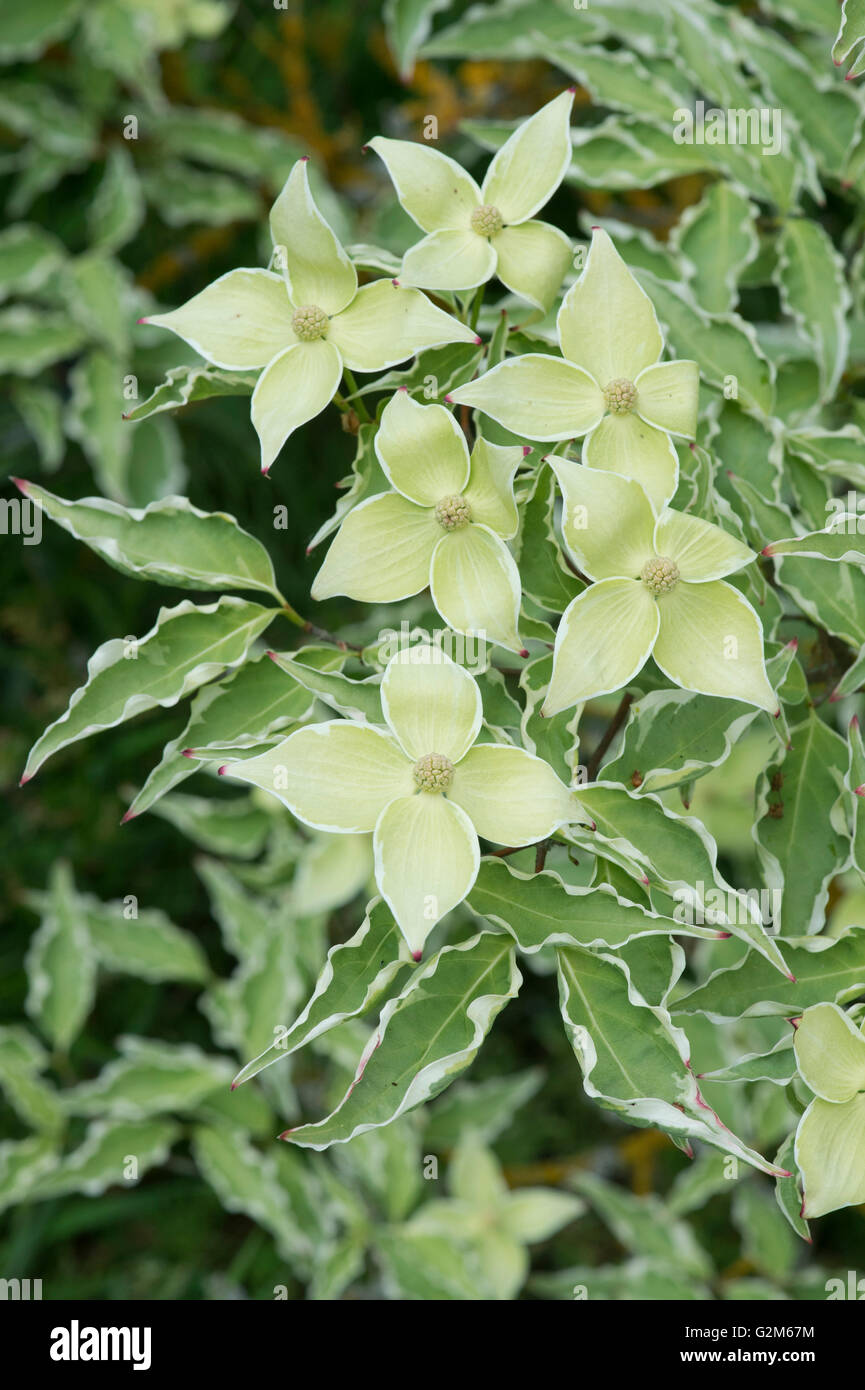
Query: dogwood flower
column 304, row 325
column 422, row 785
column 610, row 385
column 444, row 524
column 495, row 1223
column 830, row 1140
column 659, row 592
column 475, row 233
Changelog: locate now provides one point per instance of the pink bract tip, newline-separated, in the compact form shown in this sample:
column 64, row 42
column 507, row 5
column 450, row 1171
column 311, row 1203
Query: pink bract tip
column 272, row 655
column 860, row 791
column 854, row 722
column 834, row 698
column 142, row 320
column 767, row 550
column 777, row 714
column 395, row 284
column 234, row 1085
column 524, row 651
column 596, row 229
column 527, row 449
column 188, row 753
column 790, row 977
column 416, row 955
column 130, row 815
column 309, row 550
column 850, row 77
column 23, row 780
column 221, row 771
column 304, row 159
column 265, row 472
column 285, row 1134
column 643, row 878
column 404, row 388
column 449, row 399
column 21, row 485
column 794, row 643
column 724, row 935
column 478, row 340
column 364, row 149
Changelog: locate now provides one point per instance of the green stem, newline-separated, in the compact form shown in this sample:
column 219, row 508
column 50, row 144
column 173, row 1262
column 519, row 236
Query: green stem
column 358, row 404
column 476, row 307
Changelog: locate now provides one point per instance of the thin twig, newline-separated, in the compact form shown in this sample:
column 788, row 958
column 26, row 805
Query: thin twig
column 613, row 728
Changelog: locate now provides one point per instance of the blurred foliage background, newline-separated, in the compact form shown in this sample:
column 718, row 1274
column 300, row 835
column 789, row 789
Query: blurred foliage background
column 222, row 98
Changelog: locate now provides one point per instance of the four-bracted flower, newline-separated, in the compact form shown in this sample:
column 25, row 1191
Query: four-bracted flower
column 476, row 233
column 830, row 1140
column 423, row 785
column 659, row 592
column 610, row 385
column 444, row 525
column 304, row 325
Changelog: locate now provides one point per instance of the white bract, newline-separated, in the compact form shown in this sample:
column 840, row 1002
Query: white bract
column 444, row 525
column 422, row 785
column 610, row 385
column 307, row 323
column 475, row 233
column 659, row 592
column 830, row 1140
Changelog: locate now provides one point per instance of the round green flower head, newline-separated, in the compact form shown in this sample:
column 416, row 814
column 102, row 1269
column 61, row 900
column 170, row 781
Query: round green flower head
column 486, row 220
column 309, row 322
column 433, row 772
column 660, row 574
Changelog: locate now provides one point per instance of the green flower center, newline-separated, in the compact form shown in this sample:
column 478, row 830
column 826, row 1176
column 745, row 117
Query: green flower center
column 433, row 772
column 620, row 395
column 660, row 575
column 453, row 512
column 486, row 220
column 309, row 322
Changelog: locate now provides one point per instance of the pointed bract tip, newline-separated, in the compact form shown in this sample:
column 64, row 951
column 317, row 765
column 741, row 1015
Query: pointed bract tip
column 416, row 955
column 572, row 90
column 129, row 815
column 364, row 149
column 449, row 399
column 272, row 655
column 527, row 449
column 478, row 339
column 767, row 550
column 777, row 714
column 221, row 771
column 791, row 977
column 729, row 472
column 793, row 644
column 189, row 753
column 860, row 791
column 724, row 935
column 21, row 485
column 837, row 62
column 524, row 651
column 850, row 77
column 285, row 1134
column 834, row 698
column 643, row 878
column 395, row 284
column 23, row 780
column 265, row 472
column 854, row 722
column 783, row 1173
column 304, row 159
column 145, row 320
column 403, row 388
column 234, row 1085
column 596, row 229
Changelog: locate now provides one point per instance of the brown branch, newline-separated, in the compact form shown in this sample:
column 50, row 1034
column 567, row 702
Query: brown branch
column 612, row 729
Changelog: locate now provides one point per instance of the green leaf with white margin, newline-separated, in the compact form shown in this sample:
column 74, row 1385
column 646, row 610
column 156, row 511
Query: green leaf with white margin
column 830, row 1053
column 718, row 239
column 23, row 1162
column 725, row 345
column 254, row 701
column 825, row 967
column 423, row 1267
column 854, row 781
column 812, row 281
column 618, row 80
column 355, row 699
column 554, row 738
column 245, row 1010
column 643, row 1226
column 169, row 541
column 408, row 24
column 355, row 976
column 247, row 1180
column 512, row 29
column 768, row 1244
column 148, row 1078
column 838, row 453
column 850, row 40
column 544, row 571
column 41, row 409
column 830, row 1154
column 112, row 1153
column 425, row 1037
column 541, row 910
column 799, row 829
column 788, row 1191
column 185, row 384
column 147, row 945
column 839, row 542
column 29, row 257
column 673, row 737
column 61, row 964
column 486, row 1108
column 187, row 646
column 24, row 33
column 237, row 828
column 117, row 209
column 33, row 1099
column 633, row 1059
column 32, row 339
column 676, row 853
column 777, row 1066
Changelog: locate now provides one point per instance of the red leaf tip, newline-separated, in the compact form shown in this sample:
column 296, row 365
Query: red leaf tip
column 524, row 651
column 767, row 550
column 221, row 771
column 21, row 485
column 130, row 815
column 188, row 752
